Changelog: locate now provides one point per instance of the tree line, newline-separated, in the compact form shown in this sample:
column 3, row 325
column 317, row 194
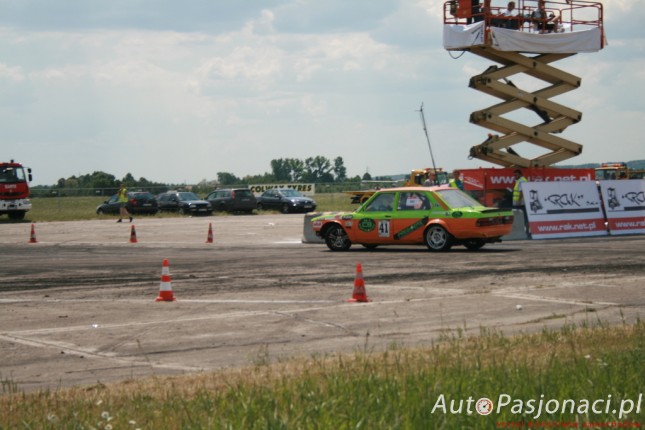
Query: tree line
column 318, row 169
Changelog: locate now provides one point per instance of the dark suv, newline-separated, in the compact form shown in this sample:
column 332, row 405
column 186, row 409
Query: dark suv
column 232, row 200
column 184, row 202
column 139, row 202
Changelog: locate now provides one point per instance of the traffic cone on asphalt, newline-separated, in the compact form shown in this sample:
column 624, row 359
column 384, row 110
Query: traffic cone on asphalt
column 133, row 234
column 209, row 238
column 359, row 294
column 165, row 287
column 32, row 237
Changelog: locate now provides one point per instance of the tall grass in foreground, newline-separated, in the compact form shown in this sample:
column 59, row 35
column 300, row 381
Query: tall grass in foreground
column 84, row 208
column 395, row 389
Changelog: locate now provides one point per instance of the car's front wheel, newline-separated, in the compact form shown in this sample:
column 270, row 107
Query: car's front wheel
column 437, row 238
column 285, row 208
column 260, row 207
column 336, row 238
column 17, row 215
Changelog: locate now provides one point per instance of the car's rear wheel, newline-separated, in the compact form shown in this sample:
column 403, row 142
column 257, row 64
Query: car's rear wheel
column 336, row 238
column 260, row 207
column 437, row 238
column 474, row 244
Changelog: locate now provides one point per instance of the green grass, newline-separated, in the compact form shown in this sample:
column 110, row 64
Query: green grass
column 46, row 209
column 395, row 389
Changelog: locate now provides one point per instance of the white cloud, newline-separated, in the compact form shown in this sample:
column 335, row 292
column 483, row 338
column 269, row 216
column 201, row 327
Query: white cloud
column 179, row 92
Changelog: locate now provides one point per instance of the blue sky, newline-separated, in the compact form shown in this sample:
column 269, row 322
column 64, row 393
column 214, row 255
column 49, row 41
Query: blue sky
column 178, row 91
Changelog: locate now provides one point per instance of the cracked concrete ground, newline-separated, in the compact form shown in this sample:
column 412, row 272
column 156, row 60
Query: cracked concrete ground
column 79, row 306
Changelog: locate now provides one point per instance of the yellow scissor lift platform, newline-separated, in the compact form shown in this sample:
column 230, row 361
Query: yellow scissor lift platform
column 526, row 43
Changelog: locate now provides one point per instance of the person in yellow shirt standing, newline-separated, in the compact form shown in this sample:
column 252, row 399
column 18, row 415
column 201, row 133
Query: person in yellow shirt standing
column 518, row 196
column 123, row 200
column 457, row 180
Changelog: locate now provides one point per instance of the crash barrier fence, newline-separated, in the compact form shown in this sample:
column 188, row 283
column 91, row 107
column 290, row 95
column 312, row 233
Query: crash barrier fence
column 584, row 208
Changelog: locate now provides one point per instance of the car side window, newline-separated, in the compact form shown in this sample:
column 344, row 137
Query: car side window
column 381, row 203
column 413, row 201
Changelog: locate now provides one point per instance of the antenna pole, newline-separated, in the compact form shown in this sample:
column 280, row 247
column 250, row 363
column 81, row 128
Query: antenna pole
column 425, row 129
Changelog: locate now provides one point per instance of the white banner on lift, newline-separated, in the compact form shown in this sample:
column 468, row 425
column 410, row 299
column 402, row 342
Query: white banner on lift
column 578, row 41
column 624, row 202
column 563, row 209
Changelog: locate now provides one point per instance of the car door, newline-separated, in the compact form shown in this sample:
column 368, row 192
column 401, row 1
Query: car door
column 373, row 224
column 412, row 214
column 272, row 199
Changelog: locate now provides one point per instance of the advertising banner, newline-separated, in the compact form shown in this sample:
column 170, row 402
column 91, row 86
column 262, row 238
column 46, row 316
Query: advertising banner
column 624, row 202
column 563, row 209
column 305, row 189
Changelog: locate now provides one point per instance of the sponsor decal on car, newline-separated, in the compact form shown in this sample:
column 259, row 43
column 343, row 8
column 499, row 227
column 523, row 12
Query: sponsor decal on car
column 366, row 225
column 409, row 229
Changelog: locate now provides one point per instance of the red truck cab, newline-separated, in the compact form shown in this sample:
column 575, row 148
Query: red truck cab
column 14, row 189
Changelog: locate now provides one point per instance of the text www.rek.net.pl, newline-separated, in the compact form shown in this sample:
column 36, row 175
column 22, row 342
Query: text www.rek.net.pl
column 569, row 227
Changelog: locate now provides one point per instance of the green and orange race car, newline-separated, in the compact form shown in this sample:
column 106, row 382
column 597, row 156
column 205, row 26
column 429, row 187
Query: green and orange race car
column 438, row 217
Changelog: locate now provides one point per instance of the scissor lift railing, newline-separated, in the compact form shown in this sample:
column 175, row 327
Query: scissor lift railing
column 554, row 117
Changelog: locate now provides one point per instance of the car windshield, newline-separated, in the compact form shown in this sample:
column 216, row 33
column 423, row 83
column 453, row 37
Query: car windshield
column 184, row 196
column 288, row 192
column 380, row 203
column 11, row 174
column 457, row 198
column 141, row 195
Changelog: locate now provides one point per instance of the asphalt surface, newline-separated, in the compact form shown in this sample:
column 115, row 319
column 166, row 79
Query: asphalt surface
column 78, row 306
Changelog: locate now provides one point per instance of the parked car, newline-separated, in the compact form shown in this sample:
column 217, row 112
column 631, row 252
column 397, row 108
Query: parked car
column 232, row 200
column 285, row 200
column 184, row 202
column 139, row 202
column 438, row 217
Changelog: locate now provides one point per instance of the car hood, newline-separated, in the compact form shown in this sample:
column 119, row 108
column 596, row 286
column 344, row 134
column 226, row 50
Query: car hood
column 300, row 199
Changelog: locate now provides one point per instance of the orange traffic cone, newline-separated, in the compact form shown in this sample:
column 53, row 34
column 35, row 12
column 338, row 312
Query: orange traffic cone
column 209, row 238
column 133, row 234
column 165, row 288
column 359, row 294
column 32, row 237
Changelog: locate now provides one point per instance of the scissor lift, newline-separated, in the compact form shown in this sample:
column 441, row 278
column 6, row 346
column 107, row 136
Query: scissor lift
column 529, row 50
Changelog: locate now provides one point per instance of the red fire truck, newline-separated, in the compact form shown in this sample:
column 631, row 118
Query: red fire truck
column 14, row 189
